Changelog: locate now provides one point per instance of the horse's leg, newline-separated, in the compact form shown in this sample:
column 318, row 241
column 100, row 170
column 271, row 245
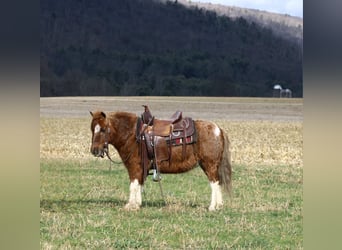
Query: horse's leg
column 216, row 201
column 134, row 201
column 135, row 189
column 210, row 151
column 216, row 196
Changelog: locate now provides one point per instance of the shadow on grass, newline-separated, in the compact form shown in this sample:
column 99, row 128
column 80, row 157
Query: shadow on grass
column 154, row 203
column 65, row 205
column 62, row 205
column 58, row 205
column 168, row 204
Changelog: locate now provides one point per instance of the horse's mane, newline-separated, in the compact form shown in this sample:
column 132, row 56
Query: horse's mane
column 124, row 120
column 121, row 115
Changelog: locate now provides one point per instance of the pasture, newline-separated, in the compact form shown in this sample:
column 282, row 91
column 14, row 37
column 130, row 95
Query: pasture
column 82, row 197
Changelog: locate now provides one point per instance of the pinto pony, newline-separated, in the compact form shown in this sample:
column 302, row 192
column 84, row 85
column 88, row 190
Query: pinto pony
column 210, row 152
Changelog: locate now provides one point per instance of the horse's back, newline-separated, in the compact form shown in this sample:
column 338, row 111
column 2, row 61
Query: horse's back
column 207, row 150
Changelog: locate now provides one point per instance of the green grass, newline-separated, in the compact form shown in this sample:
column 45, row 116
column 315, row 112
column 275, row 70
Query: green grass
column 81, row 207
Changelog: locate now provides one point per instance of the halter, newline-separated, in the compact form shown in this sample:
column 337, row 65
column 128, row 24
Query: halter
column 106, row 148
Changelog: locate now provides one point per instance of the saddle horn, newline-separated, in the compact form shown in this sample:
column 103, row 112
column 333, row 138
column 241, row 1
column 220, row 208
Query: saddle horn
column 146, row 116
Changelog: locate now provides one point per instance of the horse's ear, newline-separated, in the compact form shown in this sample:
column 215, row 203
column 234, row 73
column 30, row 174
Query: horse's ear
column 91, row 113
column 103, row 114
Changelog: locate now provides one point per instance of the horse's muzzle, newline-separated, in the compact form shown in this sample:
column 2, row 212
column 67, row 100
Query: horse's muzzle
column 97, row 152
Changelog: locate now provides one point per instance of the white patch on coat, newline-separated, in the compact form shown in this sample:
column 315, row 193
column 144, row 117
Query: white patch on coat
column 217, row 130
column 97, row 128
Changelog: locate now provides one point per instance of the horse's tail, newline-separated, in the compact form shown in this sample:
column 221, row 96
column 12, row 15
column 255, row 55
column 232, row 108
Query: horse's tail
column 225, row 167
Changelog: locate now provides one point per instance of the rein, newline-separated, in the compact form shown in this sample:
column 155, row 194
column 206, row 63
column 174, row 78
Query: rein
column 106, row 148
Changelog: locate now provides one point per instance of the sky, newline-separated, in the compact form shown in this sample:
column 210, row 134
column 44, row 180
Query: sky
column 291, row 7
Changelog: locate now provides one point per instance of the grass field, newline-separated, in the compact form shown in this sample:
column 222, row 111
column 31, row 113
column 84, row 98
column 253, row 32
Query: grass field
column 81, row 199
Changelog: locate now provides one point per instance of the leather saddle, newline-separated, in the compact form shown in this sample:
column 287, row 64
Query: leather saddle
column 156, row 137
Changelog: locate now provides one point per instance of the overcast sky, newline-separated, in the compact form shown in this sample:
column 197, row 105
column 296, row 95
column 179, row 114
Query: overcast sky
column 291, row 7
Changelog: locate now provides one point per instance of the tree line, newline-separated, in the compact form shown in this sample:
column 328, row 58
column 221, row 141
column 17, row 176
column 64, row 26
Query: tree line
column 135, row 47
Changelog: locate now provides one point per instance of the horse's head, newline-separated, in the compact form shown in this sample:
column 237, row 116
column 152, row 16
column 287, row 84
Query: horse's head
column 100, row 134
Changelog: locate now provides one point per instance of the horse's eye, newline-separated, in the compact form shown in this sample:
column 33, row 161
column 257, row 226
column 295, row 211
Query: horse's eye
column 103, row 130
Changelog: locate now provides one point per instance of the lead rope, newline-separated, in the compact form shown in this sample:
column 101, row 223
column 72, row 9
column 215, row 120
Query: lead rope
column 161, row 191
column 107, row 151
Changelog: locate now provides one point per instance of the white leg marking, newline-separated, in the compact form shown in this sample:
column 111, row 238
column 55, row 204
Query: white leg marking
column 213, row 196
column 138, row 195
column 216, row 196
column 135, row 200
column 219, row 201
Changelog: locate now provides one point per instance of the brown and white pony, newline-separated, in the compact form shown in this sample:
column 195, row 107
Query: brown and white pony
column 211, row 152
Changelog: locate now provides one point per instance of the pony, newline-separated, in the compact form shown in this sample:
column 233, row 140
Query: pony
column 210, row 151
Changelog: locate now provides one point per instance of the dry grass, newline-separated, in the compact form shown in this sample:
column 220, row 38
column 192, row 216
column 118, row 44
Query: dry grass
column 265, row 143
column 65, row 138
column 252, row 142
column 262, row 131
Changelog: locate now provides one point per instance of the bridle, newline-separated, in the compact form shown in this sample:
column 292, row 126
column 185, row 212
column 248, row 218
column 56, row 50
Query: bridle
column 106, row 130
column 105, row 146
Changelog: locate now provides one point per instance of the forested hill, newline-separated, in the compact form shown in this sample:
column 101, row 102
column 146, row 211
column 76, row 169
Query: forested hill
column 146, row 47
column 289, row 27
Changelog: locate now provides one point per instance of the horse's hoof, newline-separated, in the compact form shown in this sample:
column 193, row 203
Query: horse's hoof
column 219, row 206
column 131, row 207
column 212, row 208
column 215, row 208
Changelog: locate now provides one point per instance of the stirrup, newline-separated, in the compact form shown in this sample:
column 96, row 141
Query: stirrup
column 156, row 176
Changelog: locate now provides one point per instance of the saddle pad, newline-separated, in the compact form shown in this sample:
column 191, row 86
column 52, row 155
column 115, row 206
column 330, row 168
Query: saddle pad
column 179, row 141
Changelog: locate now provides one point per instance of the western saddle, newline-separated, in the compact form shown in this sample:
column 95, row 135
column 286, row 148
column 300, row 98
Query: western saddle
column 156, row 138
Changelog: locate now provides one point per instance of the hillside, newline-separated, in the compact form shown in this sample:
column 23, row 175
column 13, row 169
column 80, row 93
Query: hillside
column 286, row 26
column 136, row 47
